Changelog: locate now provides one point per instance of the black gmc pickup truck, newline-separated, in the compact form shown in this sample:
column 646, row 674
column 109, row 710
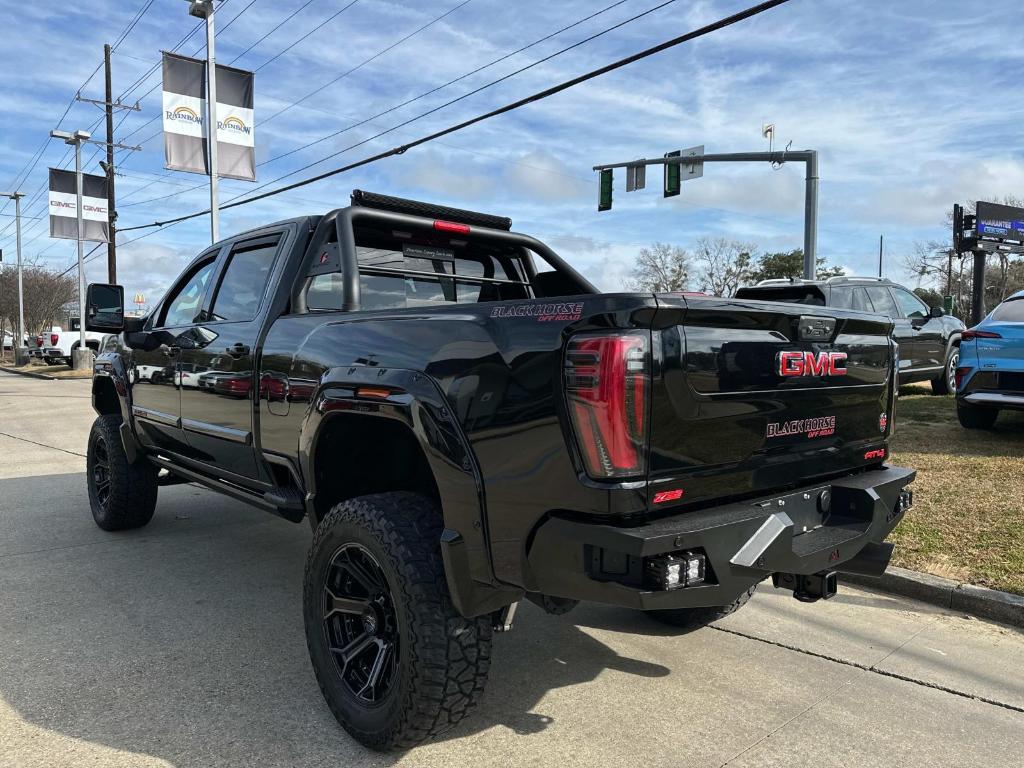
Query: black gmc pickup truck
column 465, row 421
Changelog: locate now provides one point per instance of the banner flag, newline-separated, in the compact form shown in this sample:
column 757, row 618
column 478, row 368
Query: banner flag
column 63, row 206
column 184, row 118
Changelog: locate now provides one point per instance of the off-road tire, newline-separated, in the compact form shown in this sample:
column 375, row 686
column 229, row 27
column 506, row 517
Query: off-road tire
column 945, row 383
column 695, row 618
column 976, row 416
column 442, row 658
column 128, row 498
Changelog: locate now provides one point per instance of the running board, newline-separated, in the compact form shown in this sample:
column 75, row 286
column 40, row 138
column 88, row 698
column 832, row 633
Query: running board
column 236, row 492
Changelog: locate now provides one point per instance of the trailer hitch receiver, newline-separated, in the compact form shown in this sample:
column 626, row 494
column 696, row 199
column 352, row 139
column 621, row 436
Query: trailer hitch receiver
column 810, row 588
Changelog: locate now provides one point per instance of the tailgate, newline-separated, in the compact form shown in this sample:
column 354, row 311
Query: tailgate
column 756, row 396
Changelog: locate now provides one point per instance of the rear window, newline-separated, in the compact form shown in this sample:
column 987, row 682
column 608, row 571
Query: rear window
column 791, row 294
column 406, row 272
column 1010, row 311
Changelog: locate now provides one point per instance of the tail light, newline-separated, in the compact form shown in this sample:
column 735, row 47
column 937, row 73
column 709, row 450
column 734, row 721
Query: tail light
column 54, row 338
column 970, row 333
column 39, row 341
column 607, row 383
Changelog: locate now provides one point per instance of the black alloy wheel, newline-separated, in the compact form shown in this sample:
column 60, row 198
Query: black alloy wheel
column 101, row 472
column 360, row 623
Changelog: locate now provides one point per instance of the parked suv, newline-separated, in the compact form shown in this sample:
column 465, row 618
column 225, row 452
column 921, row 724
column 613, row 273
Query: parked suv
column 991, row 375
column 928, row 338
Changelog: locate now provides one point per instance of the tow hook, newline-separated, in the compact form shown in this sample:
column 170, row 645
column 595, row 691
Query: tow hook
column 808, row 589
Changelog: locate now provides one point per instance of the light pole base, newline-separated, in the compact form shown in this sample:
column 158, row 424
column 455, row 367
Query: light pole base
column 82, row 359
column 21, row 356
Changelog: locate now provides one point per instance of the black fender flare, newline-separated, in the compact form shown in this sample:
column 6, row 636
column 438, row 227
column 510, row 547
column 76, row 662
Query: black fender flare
column 110, row 369
column 416, row 401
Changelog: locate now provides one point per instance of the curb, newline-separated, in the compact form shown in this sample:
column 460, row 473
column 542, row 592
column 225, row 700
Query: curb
column 954, row 595
column 27, row 373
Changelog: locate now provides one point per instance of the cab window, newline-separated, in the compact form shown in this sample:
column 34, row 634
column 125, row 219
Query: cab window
column 185, row 302
column 399, row 273
column 245, row 279
column 881, row 301
column 911, row 306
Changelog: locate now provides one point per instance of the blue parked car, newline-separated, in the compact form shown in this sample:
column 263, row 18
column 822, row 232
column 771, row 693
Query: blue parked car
column 990, row 374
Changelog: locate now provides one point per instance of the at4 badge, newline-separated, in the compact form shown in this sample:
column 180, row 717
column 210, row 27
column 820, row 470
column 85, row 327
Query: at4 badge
column 883, row 421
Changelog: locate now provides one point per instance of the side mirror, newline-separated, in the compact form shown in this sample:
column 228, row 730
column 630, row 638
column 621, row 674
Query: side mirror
column 104, row 308
column 937, row 312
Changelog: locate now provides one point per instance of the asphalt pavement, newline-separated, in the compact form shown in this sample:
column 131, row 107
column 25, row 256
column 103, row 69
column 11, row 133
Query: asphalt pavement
column 181, row 644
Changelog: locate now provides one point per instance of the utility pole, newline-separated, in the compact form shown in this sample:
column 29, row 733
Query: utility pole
column 81, row 357
column 881, row 246
column 109, row 168
column 204, row 9
column 109, row 105
column 19, row 349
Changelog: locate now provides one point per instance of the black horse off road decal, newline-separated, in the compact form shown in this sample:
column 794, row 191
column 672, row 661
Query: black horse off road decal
column 819, row 426
column 541, row 312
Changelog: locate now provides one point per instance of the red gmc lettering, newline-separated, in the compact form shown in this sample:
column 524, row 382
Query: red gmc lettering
column 792, row 363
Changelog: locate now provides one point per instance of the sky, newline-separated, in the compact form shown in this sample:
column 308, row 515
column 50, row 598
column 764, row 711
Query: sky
column 911, row 106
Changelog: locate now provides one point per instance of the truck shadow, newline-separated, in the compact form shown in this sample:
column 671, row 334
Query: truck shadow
column 184, row 641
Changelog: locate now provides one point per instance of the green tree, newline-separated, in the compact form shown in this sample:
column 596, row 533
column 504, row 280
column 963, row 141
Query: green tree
column 929, row 297
column 789, row 264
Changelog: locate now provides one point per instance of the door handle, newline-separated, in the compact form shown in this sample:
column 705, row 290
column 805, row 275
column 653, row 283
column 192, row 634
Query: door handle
column 238, row 350
column 170, row 351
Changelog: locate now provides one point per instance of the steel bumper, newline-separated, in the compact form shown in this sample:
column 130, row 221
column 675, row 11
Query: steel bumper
column 832, row 526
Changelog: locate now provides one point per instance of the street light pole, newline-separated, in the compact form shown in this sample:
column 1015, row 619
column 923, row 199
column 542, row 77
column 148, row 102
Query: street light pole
column 79, row 360
column 204, row 9
column 16, row 197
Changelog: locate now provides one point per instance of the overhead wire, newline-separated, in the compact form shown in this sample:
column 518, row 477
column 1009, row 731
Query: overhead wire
column 533, row 98
column 412, row 99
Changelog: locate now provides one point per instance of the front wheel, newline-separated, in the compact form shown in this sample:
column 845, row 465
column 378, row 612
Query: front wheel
column 946, row 382
column 121, row 495
column 695, row 618
column 395, row 661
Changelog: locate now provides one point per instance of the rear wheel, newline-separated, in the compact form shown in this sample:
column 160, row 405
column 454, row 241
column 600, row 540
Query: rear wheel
column 121, row 495
column 946, row 383
column 695, row 618
column 395, row 661
column 976, row 416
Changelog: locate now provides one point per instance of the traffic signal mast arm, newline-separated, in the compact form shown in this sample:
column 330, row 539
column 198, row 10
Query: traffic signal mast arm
column 690, row 158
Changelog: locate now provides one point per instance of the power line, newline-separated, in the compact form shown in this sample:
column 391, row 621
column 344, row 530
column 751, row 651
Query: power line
column 531, row 99
column 429, row 92
column 363, row 63
column 460, row 78
column 280, row 24
column 430, row 111
column 315, row 29
column 131, row 24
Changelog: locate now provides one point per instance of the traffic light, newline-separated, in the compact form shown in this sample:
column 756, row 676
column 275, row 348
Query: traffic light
column 672, row 175
column 604, row 200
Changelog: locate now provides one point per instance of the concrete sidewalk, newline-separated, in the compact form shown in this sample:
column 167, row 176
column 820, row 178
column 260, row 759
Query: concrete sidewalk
column 182, row 644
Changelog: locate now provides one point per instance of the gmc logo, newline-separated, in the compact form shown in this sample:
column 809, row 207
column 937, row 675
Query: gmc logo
column 792, row 363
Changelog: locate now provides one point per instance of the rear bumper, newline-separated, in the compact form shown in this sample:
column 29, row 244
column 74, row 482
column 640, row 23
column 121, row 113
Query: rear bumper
column 1014, row 400
column 742, row 543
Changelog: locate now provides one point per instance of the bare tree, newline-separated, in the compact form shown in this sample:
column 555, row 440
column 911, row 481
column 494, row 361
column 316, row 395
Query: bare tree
column 723, row 265
column 662, row 267
column 45, row 292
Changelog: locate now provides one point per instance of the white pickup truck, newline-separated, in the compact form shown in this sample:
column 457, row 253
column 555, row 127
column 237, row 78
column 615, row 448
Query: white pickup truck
column 56, row 345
